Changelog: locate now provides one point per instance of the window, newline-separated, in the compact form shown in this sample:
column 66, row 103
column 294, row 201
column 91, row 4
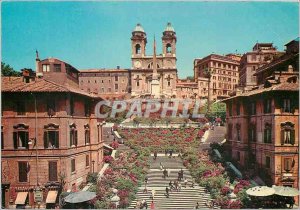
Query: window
column 116, row 78
column 57, row 67
column 95, row 81
column 51, row 107
column 238, row 132
column 21, row 139
column 87, row 134
column 268, row 162
column 267, row 133
column 51, row 139
column 46, row 67
column 20, row 108
column 73, row 135
column 168, row 48
column 230, row 109
column 2, row 140
column 52, row 171
column 87, row 160
column 253, row 108
column 252, row 133
column 73, row 166
column 71, row 106
column 23, row 171
column 109, row 81
column 87, row 109
column 102, row 90
column 286, row 105
column 116, row 87
column 109, row 89
column 229, row 134
column 238, row 108
column 102, row 81
column 238, row 154
column 137, row 83
column 169, row 83
column 288, row 164
column 253, row 57
column 137, row 49
column 267, row 105
column 287, row 133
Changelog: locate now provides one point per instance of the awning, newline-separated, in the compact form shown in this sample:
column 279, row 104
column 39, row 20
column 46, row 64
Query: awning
column 218, row 153
column 51, row 197
column 21, row 198
column 235, row 170
column 117, row 134
column 108, row 147
column 79, row 197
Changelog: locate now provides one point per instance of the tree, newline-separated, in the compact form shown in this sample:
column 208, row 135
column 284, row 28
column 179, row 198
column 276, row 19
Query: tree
column 7, row 70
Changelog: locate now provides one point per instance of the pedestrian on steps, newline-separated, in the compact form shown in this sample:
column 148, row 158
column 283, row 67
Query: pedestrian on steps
column 167, row 192
column 179, row 187
column 166, row 152
column 161, row 166
column 165, row 173
column 169, row 172
column 153, row 194
column 155, row 155
column 197, row 205
column 192, row 183
column 185, row 182
column 152, row 205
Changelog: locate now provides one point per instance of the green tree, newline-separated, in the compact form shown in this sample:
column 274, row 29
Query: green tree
column 7, row 70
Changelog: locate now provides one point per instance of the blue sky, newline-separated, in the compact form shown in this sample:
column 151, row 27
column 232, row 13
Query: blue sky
column 97, row 34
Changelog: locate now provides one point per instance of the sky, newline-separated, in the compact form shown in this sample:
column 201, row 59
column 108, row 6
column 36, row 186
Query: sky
column 97, row 34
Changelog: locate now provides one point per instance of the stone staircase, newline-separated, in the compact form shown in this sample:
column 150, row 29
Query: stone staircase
column 108, row 138
column 186, row 198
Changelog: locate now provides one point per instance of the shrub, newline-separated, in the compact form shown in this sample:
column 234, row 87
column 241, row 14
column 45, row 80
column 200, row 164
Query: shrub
column 108, row 159
column 92, row 178
column 114, row 144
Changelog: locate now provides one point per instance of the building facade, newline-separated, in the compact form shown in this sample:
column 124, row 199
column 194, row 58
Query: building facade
column 224, row 75
column 142, row 64
column 263, row 124
column 51, row 138
column 261, row 54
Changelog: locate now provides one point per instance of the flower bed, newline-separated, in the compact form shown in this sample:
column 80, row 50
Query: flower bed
column 125, row 174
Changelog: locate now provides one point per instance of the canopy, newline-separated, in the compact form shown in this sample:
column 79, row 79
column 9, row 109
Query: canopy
column 218, row 153
column 260, row 191
column 285, row 191
column 79, row 197
column 235, row 170
column 51, row 197
column 21, row 198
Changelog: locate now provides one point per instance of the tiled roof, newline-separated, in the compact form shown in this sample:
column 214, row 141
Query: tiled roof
column 16, row 84
column 101, row 70
column 286, row 86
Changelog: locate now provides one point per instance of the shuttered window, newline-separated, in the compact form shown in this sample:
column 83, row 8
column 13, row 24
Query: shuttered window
column 23, row 170
column 53, row 171
column 87, row 160
column 51, row 139
column 20, row 139
column 73, row 137
column 287, row 133
column 73, row 165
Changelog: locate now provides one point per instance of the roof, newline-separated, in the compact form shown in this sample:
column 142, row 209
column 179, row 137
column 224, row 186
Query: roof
column 217, row 57
column 102, row 70
column 50, row 58
column 169, row 27
column 294, row 40
column 285, row 86
column 40, row 85
column 139, row 28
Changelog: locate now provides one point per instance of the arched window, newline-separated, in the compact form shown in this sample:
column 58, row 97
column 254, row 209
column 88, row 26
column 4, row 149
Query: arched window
column 137, row 49
column 51, row 136
column 168, row 48
column 287, row 133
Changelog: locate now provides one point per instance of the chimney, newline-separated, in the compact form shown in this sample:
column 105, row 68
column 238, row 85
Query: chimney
column 28, row 75
column 37, row 61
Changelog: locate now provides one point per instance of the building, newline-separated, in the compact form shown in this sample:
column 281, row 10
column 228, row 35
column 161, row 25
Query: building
column 106, row 83
column 50, row 136
column 263, row 124
column 187, row 89
column 142, row 64
column 261, row 54
column 224, row 75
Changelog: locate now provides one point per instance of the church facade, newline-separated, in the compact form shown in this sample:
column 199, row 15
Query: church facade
column 142, row 64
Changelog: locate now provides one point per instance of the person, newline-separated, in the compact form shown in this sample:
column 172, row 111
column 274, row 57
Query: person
column 179, row 187
column 145, row 190
column 185, row 182
column 161, row 166
column 146, row 180
column 165, row 173
column 167, row 192
column 143, row 204
column 169, row 172
column 197, row 205
column 153, row 194
column 138, row 205
column 152, row 205
column 170, row 152
column 170, row 185
column 192, row 183
column 176, row 185
column 179, row 176
column 155, row 155
column 146, row 205
column 166, row 152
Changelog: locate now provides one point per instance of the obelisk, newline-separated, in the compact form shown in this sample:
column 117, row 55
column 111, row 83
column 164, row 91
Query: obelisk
column 155, row 86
